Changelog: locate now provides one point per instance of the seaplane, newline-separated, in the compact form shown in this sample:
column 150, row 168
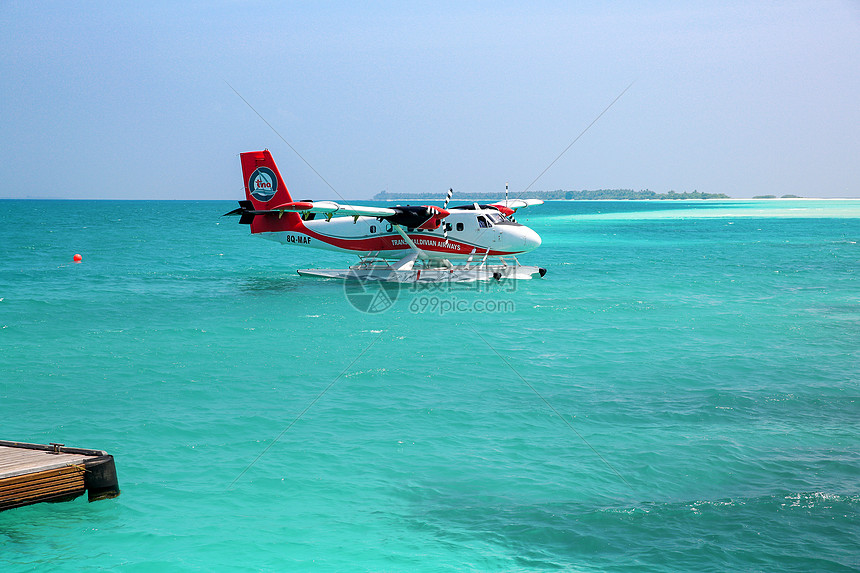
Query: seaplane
column 412, row 243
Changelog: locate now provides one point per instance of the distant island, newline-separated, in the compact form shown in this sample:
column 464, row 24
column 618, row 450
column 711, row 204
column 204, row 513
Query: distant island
column 598, row 195
column 774, row 197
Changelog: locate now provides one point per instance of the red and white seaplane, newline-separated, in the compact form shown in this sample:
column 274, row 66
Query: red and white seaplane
column 398, row 244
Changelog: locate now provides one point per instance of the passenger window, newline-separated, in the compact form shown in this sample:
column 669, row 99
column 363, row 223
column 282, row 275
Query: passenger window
column 459, row 226
column 373, row 228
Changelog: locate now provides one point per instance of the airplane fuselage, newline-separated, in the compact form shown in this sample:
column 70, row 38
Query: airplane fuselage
column 470, row 231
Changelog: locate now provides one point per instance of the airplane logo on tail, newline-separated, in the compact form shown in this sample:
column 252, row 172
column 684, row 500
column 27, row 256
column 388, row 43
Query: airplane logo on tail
column 263, row 184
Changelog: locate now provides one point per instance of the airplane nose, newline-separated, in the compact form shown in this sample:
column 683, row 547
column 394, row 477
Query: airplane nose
column 531, row 239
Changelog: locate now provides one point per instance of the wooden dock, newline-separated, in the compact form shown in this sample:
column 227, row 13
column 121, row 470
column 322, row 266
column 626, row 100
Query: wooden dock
column 33, row 473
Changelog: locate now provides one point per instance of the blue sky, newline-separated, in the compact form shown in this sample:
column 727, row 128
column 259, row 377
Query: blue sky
column 129, row 100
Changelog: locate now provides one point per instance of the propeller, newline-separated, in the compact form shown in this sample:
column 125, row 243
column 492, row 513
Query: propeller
column 444, row 207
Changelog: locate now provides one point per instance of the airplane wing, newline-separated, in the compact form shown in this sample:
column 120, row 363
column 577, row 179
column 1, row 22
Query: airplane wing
column 416, row 216
column 517, row 203
column 331, row 207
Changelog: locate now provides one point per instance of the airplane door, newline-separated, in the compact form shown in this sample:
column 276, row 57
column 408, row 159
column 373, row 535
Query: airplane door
column 487, row 235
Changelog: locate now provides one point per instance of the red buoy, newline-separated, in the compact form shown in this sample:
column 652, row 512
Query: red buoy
column 77, row 258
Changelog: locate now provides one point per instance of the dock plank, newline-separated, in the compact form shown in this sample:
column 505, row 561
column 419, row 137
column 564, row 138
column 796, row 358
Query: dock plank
column 46, row 485
column 17, row 461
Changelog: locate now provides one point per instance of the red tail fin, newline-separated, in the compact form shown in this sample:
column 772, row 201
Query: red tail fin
column 265, row 189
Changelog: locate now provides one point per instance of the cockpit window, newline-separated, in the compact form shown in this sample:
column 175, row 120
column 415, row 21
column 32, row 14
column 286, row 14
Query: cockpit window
column 482, row 222
column 495, row 217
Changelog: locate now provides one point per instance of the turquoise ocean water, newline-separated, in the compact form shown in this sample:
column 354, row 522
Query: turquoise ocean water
column 703, row 356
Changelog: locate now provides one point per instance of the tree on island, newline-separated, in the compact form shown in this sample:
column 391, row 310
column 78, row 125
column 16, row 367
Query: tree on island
column 774, row 197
